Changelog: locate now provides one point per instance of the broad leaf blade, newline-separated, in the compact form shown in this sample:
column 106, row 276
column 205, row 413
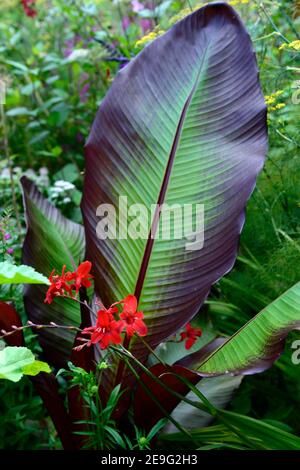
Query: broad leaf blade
column 260, row 342
column 51, row 241
column 36, row 368
column 13, row 360
column 184, row 122
column 12, row 274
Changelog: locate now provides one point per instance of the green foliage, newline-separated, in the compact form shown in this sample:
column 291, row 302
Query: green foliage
column 100, row 431
column 18, row 361
column 260, row 341
column 235, row 429
column 11, row 274
column 58, row 68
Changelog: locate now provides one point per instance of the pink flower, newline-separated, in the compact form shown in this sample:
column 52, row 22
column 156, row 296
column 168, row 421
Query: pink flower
column 125, row 22
column 137, row 6
column 145, row 24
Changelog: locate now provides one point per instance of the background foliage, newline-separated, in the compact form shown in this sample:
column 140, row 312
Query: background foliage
column 57, row 67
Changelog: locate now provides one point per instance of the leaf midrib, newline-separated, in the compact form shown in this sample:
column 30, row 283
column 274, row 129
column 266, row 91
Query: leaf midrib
column 164, row 186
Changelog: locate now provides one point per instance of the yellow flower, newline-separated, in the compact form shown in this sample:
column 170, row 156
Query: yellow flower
column 295, row 45
column 271, row 101
column 149, row 37
column 237, row 2
column 185, row 12
column 280, row 105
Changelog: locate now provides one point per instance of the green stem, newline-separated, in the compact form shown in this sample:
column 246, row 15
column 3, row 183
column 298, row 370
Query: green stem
column 262, row 7
column 162, row 409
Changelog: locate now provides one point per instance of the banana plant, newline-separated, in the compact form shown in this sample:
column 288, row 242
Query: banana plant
column 183, row 123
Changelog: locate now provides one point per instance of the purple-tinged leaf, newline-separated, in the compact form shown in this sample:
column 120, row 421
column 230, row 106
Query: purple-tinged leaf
column 51, row 241
column 183, row 123
column 9, row 317
column 259, row 343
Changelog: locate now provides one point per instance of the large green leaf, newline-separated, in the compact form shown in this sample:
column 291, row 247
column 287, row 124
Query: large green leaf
column 252, row 349
column 51, row 241
column 18, row 361
column 259, row 343
column 11, row 274
column 183, row 123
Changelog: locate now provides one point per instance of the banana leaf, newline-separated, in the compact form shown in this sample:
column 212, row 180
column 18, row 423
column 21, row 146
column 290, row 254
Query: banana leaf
column 51, row 241
column 183, row 123
column 252, row 349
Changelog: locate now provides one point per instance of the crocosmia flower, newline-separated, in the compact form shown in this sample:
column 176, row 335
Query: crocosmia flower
column 190, row 335
column 81, row 276
column 108, row 327
column 66, row 283
column 133, row 320
column 58, row 287
column 106, row 331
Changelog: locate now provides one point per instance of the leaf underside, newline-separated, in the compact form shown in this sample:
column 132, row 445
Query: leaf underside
column 183, row 123
column 256, row 346
column 51, row 241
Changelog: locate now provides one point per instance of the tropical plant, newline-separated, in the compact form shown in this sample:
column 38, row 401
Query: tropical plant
column 183, row 122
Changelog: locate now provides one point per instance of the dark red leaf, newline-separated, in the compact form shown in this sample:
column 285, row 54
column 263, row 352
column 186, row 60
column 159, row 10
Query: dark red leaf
column 8, row 318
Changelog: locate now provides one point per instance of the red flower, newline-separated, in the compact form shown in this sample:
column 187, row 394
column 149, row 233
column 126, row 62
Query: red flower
column 68, row 282
column 132, row 320
column 106, row 331
column 81, row 276
column 58, row 286
column 190, row 335
column 27, row 6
